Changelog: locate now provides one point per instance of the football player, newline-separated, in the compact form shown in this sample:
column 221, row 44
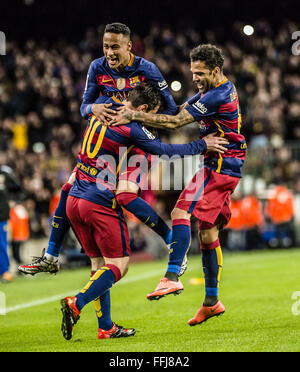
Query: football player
column 113, row 75
column 97, row 219
column 216, row 109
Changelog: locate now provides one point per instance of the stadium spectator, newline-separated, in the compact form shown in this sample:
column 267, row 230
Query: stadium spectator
column 10, row 189
column 19, row 225
column 280, row 209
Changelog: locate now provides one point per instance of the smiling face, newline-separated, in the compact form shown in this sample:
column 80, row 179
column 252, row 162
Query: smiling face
column 203, row 76
column 116, row 48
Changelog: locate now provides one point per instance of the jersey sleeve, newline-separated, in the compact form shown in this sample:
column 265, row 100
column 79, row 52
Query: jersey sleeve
column 200, row 107
column 91, row 92
column 194, row 99
column 156, row 77
column 151, row 144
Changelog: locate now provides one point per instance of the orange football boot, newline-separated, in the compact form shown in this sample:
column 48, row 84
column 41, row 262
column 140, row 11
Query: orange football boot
column 206, row 312
column 164, row 288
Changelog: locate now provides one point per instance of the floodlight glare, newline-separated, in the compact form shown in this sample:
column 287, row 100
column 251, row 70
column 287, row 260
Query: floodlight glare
column 248, row 30
column 176, row 85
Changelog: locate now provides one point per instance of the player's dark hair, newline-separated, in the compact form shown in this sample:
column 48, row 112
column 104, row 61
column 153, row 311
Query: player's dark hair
column 118, row 28
column 208, row 53
column 145, row 93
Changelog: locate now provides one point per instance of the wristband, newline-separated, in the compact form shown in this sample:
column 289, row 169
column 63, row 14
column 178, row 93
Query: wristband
column 89, row 109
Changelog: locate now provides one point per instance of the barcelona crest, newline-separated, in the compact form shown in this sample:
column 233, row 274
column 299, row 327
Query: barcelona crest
column 134, row 81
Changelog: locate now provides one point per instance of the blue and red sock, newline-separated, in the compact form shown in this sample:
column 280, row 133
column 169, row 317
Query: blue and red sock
column 101, row 281
column 103, row 309
column 145, row 213
column 60, row 223
column 181, row 240
column 212, row 262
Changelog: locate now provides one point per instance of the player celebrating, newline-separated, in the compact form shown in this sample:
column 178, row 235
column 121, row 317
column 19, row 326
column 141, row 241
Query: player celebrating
column 113, row 75
column 97, row 219
column 216, row 108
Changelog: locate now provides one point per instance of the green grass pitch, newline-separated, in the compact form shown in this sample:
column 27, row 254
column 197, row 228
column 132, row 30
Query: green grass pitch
column 256, row 289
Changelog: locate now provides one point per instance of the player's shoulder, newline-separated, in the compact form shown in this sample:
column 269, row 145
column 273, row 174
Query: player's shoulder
column 98, row 62
column 220, row 94
column 224, row 90
column 138, row 129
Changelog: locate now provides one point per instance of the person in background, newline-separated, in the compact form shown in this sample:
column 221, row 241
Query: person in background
column 19, row 226
column 10, row 188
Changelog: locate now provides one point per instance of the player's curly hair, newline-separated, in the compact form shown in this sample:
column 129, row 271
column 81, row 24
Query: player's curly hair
column 118, row 28
column 208, row 53
column 145, row 93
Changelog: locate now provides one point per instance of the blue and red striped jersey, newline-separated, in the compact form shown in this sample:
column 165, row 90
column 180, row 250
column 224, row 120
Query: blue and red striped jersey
column 103, row 80
column 104, row 150
column 218, row 110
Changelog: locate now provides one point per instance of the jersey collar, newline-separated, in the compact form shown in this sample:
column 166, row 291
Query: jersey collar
column 222, row 82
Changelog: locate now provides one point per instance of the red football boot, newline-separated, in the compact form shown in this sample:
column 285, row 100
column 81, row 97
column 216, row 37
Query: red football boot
column 70, row 316
column 115, row 332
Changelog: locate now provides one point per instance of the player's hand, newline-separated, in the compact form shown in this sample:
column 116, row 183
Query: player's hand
column 123, row 116
column 103, row 112
column 215, row 144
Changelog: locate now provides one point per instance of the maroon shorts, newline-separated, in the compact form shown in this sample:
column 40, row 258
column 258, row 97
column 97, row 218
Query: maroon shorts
column 101, row 231
column 207, row 197
column 138, row 167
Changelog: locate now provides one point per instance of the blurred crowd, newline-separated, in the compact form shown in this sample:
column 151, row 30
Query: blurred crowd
column 41, row 88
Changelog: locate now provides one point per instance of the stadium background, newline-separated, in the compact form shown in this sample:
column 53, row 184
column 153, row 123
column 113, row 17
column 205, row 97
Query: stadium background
column 42, row 77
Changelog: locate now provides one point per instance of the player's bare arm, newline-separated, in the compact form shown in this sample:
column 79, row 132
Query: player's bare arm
column 125, row 116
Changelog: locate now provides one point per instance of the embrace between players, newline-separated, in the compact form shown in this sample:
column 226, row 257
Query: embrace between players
column 123, row 94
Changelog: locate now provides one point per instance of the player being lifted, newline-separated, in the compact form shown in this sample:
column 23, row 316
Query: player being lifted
column 113, row 75
column 216, row 108
column 95, row 217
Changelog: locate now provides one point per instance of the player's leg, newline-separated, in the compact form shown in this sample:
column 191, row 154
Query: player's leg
column 190, row 198
column 48, row 262
column 212, row 262
column 60, row 223
column 107, row 236
column 104, row 278
column 127, row 197
column 98, row 290
column 181, row 239
column 102, row 303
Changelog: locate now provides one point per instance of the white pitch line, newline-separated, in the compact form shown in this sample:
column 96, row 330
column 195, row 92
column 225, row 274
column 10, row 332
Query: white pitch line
column 58, row 297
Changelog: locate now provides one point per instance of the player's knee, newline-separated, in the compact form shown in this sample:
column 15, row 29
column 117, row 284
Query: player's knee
column 208, row 236
column 122, row 264
column 126, row 269
column 96, row 263
column 179, row 214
